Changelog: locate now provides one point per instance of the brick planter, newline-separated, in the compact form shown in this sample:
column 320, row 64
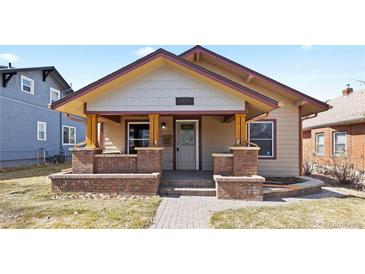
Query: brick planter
column 248, row 188
column 134, row 184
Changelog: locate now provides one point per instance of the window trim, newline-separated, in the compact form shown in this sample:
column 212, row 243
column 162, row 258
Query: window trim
column 274, row 137
column 315, row 144
column 127, row 123
column 63, row 137
column 334, row 144
column 50, row 94
column 45, row 130
column 23, row 77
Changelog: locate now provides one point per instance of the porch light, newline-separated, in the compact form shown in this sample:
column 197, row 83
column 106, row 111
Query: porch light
column 163, row 125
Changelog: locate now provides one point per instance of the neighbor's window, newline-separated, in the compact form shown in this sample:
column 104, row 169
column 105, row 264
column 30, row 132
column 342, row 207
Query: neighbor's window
column 320, row 144
column 27, row 84
column 138, row 136
column 339, row 143
column 69, row 135
column 262, row 134
column 41, row 131
column 54, row 95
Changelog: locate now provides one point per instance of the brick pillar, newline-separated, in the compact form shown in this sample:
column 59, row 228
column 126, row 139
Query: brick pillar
column 222, row 164
column 83, row 160
column 245, row 161
column 149, row 159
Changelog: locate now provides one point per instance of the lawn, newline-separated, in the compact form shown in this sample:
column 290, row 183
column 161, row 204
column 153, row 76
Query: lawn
column 345, row 212
column 26, row 201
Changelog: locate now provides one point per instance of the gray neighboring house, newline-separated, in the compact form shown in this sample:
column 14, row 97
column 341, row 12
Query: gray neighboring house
column 29, row 130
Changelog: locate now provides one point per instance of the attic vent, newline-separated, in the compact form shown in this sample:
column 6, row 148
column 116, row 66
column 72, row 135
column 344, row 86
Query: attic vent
column 184, row 101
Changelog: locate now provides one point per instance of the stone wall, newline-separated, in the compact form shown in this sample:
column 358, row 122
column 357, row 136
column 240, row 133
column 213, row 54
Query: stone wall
column 245, row 160
column 223, row 164
column 115, row 163
column 149, row 159
column 133, row 184
column 83, row 160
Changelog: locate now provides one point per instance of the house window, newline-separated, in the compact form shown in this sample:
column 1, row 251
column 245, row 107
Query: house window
column 27, row 84
column 262, row 134
column 41, row 131
column 54, row 95
column 69, row 135
column 339, row 140
column 320, row 144
column 138, row 136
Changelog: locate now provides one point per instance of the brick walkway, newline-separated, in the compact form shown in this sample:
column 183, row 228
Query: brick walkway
column 195, row 212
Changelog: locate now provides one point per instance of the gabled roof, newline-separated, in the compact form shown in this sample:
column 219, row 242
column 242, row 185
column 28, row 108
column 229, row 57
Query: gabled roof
column 348, row 109
column 199, row 49
column 176, row 59
column 49, row 68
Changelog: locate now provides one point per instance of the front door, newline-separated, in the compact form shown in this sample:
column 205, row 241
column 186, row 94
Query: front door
column 186, row 145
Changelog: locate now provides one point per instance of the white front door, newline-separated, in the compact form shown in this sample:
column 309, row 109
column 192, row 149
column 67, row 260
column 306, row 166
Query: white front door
column 186, row 145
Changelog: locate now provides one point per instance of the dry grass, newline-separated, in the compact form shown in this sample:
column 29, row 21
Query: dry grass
column 346, row 212
column 25, row 202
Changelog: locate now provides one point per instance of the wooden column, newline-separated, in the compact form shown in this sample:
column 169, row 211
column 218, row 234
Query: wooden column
column 92, row 131
column 154, row 129
column 241, row 128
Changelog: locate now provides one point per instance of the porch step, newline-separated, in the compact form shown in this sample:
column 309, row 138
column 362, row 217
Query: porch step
column 187, row 183
column 185, row 191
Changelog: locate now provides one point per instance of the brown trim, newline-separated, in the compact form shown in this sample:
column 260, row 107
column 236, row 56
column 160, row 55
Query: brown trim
column 225, row 60
column 274, row 121
column 199, row 118
column 174, row 58
column 161, row 113
column 126, row 132
column 101, row 135
column 300, row 140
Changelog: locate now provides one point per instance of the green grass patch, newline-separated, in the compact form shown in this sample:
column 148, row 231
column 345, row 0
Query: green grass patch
column 25, row 202
column 346, row 212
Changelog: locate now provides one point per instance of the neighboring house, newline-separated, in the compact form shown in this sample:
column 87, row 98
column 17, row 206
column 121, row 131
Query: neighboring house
column 194, row 105
column 29, row 130
column 339, row 131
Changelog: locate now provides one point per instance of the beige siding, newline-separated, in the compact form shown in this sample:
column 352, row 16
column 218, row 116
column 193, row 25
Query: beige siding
column 216, row 137
column 157, row 91
column 113, row 136
column 167, row 154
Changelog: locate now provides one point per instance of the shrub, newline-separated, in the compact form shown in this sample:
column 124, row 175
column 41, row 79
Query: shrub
column 343, row 169
column 308, row 167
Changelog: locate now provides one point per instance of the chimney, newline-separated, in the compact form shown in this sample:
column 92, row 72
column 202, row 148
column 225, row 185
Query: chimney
column 347, row 91
column 9, row 65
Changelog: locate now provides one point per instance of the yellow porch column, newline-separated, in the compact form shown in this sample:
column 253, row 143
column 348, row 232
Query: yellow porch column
column 241, row 127
column 154, row 129
column 92, row 131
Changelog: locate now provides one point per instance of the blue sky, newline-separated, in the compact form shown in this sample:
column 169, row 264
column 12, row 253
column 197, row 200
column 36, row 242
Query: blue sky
column 319, row 71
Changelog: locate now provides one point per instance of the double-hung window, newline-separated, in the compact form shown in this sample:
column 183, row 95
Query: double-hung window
column 54, row 95
column 339, row 143
column 27, row 84
column 320, row 144
column 138, row 136
column 69, row 135
column 41, row 131
column 262, row 134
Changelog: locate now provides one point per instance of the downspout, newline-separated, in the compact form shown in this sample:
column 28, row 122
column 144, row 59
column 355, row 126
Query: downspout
column 61, row 147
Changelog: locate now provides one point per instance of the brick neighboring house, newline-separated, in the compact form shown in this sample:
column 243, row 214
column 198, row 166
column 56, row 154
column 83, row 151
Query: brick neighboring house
column 338, row 131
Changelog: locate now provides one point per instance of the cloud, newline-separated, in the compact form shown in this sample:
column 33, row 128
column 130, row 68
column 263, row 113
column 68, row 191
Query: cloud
column 143, row 51
column 8, row 57
column 307, row 47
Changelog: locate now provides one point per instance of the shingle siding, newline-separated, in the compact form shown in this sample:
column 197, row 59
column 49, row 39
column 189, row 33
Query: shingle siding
column 19, row 113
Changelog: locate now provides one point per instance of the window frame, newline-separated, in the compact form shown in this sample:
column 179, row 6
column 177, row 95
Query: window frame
column 334, row 143
column 23, row 77
column 127, row 131
column 45, row 130
column 63, row 137
column 274, row 136
column 50, row 94
column 316, row 144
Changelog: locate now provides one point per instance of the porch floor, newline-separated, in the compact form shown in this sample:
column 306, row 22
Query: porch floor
column 187, row 174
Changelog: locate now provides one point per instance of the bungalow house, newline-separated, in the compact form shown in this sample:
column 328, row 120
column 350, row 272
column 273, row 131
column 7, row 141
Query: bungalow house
column 339, row 131
column 188, row 112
